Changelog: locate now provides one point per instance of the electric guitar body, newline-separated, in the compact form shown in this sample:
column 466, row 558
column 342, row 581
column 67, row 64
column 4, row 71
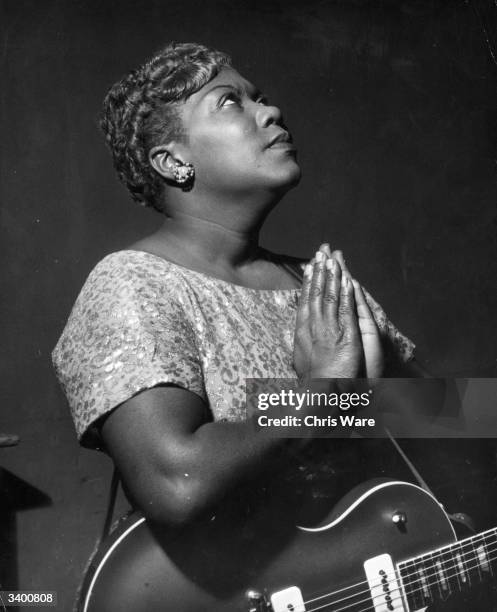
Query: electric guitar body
column 388, row 545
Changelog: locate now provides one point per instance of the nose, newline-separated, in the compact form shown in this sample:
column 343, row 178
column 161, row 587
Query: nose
column 267, row 115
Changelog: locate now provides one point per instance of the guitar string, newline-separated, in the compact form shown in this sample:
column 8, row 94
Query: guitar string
column 372, row 608
column 457, row 574
column 427, row 576
column 357, row 594
column 369, row 609
column 465, row 558
column 462, row 544
column 364, row 582
column 372, row 598
column 481, row 539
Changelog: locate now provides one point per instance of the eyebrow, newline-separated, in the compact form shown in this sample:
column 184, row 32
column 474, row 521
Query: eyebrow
column 256, row 92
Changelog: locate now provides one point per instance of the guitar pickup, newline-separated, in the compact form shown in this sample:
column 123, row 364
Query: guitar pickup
column 383, row 585
column 288, row 600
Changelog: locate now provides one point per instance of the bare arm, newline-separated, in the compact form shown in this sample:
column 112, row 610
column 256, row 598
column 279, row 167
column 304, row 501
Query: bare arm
column 176, row 464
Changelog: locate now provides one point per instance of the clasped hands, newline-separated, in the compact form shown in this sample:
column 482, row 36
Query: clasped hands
column 336, row 335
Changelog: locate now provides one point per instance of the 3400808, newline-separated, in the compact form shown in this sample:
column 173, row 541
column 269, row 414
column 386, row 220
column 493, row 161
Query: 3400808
column 28, row 598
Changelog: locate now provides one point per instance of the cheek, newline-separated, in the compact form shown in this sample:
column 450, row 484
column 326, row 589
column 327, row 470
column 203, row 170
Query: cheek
column 228, row 144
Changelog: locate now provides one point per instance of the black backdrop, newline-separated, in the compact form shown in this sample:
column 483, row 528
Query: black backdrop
column 393, row 107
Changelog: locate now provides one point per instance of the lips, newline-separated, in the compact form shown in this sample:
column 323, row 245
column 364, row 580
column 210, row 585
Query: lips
column 281, row 139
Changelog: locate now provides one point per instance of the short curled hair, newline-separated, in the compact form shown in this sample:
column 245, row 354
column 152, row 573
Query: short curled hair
column 141, row 111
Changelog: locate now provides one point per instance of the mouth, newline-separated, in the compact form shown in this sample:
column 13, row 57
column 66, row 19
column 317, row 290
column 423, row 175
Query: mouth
column 282, row 140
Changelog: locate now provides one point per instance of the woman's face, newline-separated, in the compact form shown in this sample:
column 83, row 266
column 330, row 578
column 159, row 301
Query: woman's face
column 236, row 140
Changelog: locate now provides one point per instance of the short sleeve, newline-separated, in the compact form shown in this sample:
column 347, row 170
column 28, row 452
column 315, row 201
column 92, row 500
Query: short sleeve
column 401, row 348
column 126, row 333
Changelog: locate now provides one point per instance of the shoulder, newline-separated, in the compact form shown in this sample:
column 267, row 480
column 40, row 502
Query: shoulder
column 125, row 292
column 127, row 275
column 128, row 331
column 128, row 266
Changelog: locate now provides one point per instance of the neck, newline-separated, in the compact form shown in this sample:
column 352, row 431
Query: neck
column 193, row 239
column 219, row 233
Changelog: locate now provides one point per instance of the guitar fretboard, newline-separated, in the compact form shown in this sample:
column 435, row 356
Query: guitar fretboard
column 453, row 568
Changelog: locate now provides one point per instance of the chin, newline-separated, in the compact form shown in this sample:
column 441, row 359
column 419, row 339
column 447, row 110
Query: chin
column 289, row 178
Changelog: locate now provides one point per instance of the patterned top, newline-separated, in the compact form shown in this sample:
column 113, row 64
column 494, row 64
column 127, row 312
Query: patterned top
column 141, row 321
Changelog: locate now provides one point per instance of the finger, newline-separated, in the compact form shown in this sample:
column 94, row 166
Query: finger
column 325, row 248
column 303, row 309
column 331, row 296
column 338, row 255
column 367, row 322
column 347, row 307
column 317, row 285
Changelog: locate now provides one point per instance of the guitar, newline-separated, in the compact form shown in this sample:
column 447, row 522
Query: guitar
column 388, row 546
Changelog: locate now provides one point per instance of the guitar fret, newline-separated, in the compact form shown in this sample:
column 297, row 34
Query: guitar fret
column 443, row 582
column 484, row 557
column 483, row 561
column 434, row 573
column 456, row 567
column 450, row 562
column 417, row 593
column 461, row 567
column 490, row 546
column 424, row 581
column 415, row 585
column 404, row 578
column 479, row 563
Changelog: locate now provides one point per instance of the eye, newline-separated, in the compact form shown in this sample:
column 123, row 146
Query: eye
column 230, row 99
column 262, row 100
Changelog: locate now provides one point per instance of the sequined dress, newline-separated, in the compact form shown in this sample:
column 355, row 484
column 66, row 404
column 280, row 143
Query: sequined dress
column 140, row 321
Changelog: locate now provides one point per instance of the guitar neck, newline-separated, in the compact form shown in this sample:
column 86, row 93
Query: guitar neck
column 436, row 575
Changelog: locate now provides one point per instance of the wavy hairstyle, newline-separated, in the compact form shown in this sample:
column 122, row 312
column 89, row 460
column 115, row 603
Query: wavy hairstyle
column 141, row 111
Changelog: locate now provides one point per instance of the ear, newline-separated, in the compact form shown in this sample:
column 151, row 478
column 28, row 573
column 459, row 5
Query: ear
column 162, row 160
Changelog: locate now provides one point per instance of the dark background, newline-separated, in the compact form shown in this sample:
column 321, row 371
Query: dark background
column 393, row 106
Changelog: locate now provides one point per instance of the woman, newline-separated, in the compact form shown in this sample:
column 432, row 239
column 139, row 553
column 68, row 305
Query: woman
column 164, row 333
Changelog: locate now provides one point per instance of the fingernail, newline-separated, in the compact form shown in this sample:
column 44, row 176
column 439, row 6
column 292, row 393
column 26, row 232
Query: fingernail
column 330, row 264
column 319, row 256
column 308, row 270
